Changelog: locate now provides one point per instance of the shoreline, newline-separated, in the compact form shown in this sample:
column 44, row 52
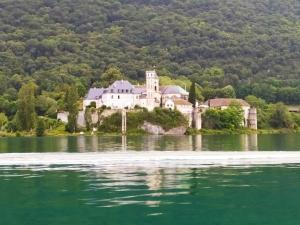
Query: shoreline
column 189, row 133
column 168, row 159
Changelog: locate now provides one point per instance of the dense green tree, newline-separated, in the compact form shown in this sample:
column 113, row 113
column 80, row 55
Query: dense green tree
column 3, row 120
column 45, row 106
column 71, row 99
column 262, row 110
column 230, row 118
column 110, row 75
column 192, row 94
column 216, row 43
column 26, row 116
column 88, row 118
column 40, row 128
column 280, row 117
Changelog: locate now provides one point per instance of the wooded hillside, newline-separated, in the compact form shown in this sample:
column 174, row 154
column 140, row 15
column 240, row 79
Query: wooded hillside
column 253, row 45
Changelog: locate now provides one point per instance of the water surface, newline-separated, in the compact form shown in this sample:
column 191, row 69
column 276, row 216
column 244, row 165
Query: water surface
column 116, row 195
column 252, row 142
column 227, row 196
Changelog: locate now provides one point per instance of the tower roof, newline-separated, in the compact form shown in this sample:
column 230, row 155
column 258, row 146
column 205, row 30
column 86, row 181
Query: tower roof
column 173, row 89
column 151, row 73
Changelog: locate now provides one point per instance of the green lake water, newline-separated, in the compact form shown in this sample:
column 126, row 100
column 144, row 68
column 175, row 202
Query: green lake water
column 252, row 142
column 82, row 195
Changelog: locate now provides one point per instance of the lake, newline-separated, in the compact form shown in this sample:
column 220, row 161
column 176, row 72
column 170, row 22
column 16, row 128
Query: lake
column 81, row 194
column 244, row 142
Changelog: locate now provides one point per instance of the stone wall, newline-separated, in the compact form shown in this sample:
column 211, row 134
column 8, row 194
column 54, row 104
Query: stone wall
column 158, row 130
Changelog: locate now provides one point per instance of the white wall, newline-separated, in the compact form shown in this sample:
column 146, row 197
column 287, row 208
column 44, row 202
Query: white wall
column 120, row 100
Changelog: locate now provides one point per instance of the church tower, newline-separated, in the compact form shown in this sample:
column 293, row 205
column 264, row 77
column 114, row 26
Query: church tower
column 152, row 89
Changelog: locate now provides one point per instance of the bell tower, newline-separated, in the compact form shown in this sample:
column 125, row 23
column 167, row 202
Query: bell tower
column 152, row 88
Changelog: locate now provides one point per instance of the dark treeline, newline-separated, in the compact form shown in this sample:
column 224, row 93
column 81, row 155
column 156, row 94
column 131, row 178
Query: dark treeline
column 250, row 45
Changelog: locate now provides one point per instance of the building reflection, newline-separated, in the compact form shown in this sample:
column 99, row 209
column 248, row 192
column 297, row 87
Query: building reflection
column 249, row 142
column 243, row 142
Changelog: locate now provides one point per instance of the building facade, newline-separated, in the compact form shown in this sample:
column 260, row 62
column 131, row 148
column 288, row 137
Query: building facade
column 250, row 114
column 122, row 94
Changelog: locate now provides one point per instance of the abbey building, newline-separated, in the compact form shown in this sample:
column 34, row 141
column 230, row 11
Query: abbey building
column 122, row 94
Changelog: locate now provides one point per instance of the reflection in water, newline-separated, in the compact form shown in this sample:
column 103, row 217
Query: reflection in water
column 90, row 195
column 124, row 142
column 243, row 142
column 249, row 142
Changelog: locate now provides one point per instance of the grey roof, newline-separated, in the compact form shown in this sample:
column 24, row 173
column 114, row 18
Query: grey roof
column 120, row 86
column 94, row 93
column 173, row 89
column 139, row 90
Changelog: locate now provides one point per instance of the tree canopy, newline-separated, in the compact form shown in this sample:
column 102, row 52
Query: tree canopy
column 251, row 45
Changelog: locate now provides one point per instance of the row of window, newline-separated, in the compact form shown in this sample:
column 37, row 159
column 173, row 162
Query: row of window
column 120, row 97
column 122, row 91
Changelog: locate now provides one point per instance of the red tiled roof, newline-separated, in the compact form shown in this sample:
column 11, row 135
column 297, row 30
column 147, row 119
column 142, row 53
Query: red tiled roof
column 180, row 101
column 218, row 102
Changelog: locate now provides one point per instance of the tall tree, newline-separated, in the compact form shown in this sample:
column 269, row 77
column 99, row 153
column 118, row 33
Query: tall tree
column 3, row 120
column 40, row 128
column 71, row 99
column 192, row 94
column 110, row 75
column 280, row 117
column 88, row 118
column 26, row 116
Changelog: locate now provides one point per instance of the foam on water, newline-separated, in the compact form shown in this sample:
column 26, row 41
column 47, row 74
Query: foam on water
column 179, row 159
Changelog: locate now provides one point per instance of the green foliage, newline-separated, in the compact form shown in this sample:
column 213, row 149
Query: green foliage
column 88, row 118
column 3, row 120
column 164, row 117
column 230, row 118
column 40, row 128
column 280, row 117
column 45, row 106
column 26, row 116
column 192, row 94
column 272, row 115
column 225, row 92
column 71, row 99
column 111, row 124
column 181, row 81
column 110, row 75
column 214, row 43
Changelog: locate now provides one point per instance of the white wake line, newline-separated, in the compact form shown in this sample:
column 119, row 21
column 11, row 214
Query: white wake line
column 150, row 159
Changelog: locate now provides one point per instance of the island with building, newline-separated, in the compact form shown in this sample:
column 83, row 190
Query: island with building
column 122, row 98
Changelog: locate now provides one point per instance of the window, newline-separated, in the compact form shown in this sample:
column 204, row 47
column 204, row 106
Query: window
column 118, row 96
column 112, row 96
column 155, row 88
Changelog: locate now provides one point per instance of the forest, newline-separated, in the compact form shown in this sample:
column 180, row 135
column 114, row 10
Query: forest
column 230, row 48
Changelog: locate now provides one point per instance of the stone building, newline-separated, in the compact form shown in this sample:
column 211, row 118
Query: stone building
column 250, row 115
column 122, row 94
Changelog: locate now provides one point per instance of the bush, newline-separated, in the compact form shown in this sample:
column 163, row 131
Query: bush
column 40, row 128
column 111, row 124
column 163, row 117
column 166, row 118
column 230, row 118
column 280, row 117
